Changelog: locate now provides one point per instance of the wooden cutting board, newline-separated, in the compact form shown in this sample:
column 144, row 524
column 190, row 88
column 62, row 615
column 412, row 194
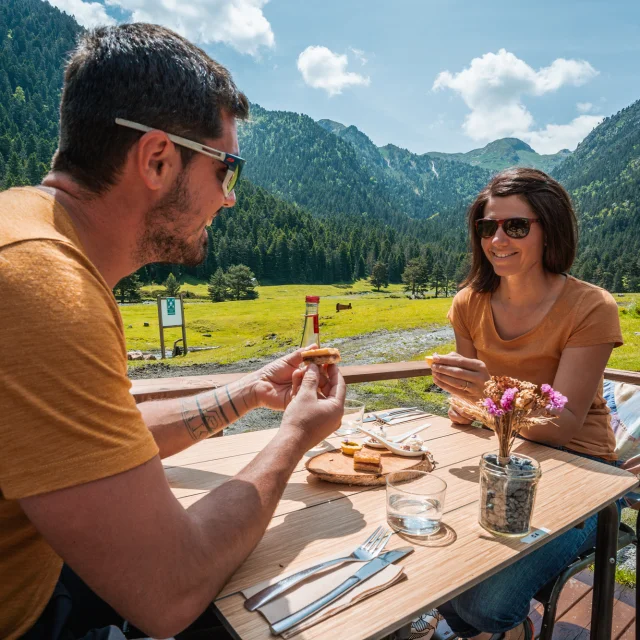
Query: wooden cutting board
column 334, row 466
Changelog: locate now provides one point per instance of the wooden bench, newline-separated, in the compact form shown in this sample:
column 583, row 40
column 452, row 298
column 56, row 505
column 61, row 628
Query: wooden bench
column 342, row 307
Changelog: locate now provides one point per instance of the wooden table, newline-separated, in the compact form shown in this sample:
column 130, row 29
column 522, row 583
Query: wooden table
column 316, row 519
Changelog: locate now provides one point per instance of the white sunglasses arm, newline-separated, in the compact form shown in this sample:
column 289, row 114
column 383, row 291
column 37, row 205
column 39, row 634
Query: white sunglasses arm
column 183, row 142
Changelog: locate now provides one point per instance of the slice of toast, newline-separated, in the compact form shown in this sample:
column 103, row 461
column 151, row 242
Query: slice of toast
column 367, row 460
column 328, row 355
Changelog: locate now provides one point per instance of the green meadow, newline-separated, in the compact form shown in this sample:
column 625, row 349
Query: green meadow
column 273, row 323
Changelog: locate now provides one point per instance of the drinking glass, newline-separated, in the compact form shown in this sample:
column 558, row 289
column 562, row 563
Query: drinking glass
column 351, row 418
column 415, row 502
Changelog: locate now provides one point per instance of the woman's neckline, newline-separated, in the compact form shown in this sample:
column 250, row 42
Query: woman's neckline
column 539, row 324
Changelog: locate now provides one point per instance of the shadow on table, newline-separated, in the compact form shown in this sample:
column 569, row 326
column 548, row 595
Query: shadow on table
column 196, row 479
column 470, row 473
column 445, row 537
column 341, row 520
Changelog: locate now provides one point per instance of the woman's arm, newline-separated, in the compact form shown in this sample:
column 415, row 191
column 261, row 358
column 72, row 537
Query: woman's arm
column 464, row 348
column 578, row 376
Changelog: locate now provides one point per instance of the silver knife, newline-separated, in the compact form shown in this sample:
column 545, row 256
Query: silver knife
column 370, row 569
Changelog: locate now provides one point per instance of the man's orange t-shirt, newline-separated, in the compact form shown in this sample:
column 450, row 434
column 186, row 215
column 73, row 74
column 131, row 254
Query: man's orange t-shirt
column 583, row 316
column 67, row 416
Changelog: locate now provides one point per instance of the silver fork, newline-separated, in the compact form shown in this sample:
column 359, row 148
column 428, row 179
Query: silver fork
column 368, row 550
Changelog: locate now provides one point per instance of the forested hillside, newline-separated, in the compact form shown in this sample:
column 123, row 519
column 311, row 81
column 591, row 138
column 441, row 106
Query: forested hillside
column 603, row 177
column 419, row 185
column 281, row 242
column 34, row 38
column 320, row 202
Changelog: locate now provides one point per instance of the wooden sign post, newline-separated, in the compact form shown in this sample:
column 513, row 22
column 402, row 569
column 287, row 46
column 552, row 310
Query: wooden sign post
column 171, row 314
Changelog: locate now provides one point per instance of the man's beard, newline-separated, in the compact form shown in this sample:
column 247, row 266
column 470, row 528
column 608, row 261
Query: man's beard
column 162, row 241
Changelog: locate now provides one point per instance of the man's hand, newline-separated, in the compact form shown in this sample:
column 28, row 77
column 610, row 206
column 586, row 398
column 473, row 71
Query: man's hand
column 273, row 386
column 463, row 377
column 311, row 416
column 270, row 386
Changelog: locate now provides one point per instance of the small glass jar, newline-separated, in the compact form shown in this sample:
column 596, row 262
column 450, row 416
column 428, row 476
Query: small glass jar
column 507, row 494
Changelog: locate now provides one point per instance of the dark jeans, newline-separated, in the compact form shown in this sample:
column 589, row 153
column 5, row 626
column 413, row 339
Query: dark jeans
column 502, row 601
column 75, row 612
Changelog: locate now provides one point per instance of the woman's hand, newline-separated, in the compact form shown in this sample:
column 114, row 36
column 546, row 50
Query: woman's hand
column 458, row 417
column 463, row 377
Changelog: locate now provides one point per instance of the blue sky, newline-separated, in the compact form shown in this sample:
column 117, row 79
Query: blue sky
column 424, row 75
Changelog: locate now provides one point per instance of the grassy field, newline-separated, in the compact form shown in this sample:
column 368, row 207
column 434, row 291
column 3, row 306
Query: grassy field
column 273, row 322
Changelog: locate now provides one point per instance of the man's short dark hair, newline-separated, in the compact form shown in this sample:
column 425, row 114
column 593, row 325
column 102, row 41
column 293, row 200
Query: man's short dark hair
column 549, row 201
column 140, row 72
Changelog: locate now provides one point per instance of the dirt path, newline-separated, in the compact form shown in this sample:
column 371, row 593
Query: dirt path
column 379, row 346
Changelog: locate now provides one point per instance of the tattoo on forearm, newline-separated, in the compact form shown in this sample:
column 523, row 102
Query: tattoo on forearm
column 201, row 422
column 233, row 406
column 215, row 393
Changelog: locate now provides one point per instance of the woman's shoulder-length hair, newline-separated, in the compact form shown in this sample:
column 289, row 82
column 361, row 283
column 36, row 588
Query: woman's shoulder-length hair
column 550, row 202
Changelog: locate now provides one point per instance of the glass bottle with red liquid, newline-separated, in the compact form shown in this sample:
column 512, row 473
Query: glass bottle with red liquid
column 311, row 330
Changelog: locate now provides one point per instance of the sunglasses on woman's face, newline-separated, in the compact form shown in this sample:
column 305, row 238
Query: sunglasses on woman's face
column 513, row 227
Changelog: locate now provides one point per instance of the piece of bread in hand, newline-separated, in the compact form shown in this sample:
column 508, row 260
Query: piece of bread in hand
column 429, row 360
column 367, row 460
column 321, row 356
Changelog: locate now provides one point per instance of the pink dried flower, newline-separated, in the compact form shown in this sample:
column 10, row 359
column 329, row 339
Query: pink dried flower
column 506, row 402
column 492, row 408
column 555, row 400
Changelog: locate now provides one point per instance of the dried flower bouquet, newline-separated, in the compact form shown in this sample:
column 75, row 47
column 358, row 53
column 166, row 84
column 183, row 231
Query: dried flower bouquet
column 511, row 405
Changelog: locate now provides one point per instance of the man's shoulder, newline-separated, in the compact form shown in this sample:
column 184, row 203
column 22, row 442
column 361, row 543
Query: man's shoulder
column 29, row 213
column 43, row 275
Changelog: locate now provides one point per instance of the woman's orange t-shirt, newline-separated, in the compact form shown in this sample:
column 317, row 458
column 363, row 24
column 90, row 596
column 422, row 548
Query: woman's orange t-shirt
column 583, row 316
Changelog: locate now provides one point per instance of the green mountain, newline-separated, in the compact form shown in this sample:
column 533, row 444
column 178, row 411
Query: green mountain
column 603, row 178
column 279, row 240
column 320, row 202
column 423, row 186
column 507, row 152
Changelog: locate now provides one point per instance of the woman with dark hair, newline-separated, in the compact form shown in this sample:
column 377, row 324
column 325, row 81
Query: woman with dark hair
column 520, row 314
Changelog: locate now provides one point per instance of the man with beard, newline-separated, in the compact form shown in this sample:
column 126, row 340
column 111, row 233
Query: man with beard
column 91, row 534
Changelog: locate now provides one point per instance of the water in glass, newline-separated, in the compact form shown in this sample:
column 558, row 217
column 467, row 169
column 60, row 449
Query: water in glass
column 415, row 502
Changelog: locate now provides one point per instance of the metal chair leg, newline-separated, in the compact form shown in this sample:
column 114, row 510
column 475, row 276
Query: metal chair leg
column 551, row 607
column 605, row 571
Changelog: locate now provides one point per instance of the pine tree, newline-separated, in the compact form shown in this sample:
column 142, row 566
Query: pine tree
column 241, row 282
column 128, row 287
column 218, row 288
column 380, row 275
column 172, row 286
column 437, row 278
column 415, row 277
column 33, row 171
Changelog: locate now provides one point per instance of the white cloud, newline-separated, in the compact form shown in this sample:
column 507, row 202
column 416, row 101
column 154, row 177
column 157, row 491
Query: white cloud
column 88, row 14
column 238, row 23
column 359, row 54
column 561, row 136
column 493, row 87
column 584, row 107
column 321, row 68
